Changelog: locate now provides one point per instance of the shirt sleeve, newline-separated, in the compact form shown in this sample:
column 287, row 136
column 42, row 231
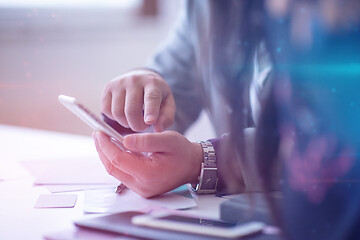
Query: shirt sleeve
column 234, row 173
column 175, row 62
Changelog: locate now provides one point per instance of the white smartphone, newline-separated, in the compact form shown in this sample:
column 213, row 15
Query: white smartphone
column 91, row 119
column 195, row 225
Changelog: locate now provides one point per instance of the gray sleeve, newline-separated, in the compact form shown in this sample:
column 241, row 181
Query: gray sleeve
column 175, row 62
column 236, row 174
column 249, row 166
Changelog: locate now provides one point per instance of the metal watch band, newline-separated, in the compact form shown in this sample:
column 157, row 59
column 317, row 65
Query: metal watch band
column 208, row 176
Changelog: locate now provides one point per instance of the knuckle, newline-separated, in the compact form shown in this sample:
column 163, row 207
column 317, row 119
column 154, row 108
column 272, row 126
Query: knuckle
column 132, row 81
column 157, row 82
column 152, row 79
column 116, row 83
column 107, row 89
column 123, row 82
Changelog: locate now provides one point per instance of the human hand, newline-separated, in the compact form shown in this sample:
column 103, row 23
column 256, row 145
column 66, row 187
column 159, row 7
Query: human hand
column 172, row 161
column 138, row 99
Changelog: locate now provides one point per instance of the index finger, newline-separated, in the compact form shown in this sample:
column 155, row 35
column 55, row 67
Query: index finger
column 152, row 104
column 114, row 170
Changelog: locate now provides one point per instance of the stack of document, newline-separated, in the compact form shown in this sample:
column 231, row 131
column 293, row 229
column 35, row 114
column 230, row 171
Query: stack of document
column 107, row 201
column 67, row 175
column 11, row 170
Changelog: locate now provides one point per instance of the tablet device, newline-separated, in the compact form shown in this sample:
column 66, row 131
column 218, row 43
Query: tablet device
column 94, row 121
column 196, row 225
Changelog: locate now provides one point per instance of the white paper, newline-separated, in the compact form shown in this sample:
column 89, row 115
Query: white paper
column 107, row 201
column 75, row 187
column 69, row 172
column 83, row 234
column 56, row 201
column 11, row 171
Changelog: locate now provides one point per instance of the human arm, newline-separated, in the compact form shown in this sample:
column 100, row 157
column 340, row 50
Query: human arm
column 175, row 61
column 172, row 161
column 168, row 83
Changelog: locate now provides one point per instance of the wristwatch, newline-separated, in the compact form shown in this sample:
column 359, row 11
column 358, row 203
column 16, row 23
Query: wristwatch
column 208, row 175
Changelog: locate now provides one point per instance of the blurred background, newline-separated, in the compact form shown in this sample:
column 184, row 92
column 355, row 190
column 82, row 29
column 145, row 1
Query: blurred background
column 70, row 47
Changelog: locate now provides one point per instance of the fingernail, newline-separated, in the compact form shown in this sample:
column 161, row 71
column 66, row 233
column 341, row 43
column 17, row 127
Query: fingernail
column 149, row 118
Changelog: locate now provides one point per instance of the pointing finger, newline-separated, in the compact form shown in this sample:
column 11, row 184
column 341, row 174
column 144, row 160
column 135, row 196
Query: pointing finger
column 117, row 108
column 152, row 104
column 134, row 103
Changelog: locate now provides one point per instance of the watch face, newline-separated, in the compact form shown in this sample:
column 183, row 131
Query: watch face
column 209, row 179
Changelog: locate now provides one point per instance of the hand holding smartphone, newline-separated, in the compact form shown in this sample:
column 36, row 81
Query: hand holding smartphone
column 91, row 119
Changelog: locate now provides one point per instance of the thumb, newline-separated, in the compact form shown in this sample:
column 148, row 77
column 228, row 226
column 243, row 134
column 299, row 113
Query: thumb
column 150, row 142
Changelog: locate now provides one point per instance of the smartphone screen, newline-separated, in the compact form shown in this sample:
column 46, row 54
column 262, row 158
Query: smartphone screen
column 91, row 119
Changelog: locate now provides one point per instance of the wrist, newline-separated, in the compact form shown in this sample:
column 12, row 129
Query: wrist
column 196, row 167
column 207, row 179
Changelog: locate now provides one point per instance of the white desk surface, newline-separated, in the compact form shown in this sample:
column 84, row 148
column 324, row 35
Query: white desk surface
column 18, row 217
